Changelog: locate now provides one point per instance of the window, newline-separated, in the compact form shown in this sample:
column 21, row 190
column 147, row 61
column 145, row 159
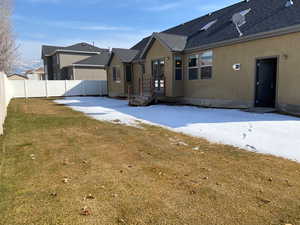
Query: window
column 128, row 73
column 193, row 67
column 178, row 68
column 116, row 74
column 206, row 60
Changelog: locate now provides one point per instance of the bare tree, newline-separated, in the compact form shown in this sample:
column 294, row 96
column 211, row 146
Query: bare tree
column 8, row 50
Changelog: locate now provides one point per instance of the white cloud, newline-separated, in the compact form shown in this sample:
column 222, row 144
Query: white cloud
column 163, row 7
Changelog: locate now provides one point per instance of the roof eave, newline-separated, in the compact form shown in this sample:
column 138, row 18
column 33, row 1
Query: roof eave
column 87, row 65
column 72, row 51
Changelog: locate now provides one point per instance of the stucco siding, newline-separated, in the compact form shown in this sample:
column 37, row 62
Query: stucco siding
column 137, row 75
column 85, row 73
column 228, row 85
column 116, row 89
column 158, row 51
column 67, row 59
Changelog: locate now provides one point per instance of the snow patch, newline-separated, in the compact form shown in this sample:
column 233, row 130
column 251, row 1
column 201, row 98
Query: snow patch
column 264, row 133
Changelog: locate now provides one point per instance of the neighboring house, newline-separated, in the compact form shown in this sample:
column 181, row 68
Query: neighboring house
column 245, row 55
column 17, row 77
column 36, row 74
column 81, row 61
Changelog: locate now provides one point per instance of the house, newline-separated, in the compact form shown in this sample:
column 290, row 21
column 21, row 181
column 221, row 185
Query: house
column 36, row 74
column 81, row 61
column 243, row 56
column 17, row 77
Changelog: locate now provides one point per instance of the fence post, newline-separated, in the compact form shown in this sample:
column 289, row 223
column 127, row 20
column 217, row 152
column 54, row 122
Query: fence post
column 46, row 88
column 65, row 88
column 25, row 89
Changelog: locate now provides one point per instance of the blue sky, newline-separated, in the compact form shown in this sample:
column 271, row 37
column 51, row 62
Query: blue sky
column 108, row 23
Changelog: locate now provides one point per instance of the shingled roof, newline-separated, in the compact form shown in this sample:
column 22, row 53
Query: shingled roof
column 85, row 47
column 100, row 60
column 48, row 49
column 80, row 47
column 125, row 55
column 266, row 17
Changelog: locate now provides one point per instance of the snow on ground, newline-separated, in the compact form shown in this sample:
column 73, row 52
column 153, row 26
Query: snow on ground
column 265, row 133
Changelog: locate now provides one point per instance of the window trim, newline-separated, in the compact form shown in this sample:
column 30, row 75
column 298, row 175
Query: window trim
column 199, row 65
column 178, row 68
column 203, row 66
column 192, row 67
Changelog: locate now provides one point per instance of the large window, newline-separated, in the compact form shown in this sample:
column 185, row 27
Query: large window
column 206, row 61
column 116, row 74
column 193, row 67
column 178, row 68
column 200, row 64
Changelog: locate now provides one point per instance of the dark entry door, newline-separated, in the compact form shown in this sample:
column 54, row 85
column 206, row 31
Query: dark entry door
column 158, row 74
column 266, row 73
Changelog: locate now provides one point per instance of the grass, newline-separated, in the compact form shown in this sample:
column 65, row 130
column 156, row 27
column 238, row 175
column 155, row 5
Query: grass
column 136, row 176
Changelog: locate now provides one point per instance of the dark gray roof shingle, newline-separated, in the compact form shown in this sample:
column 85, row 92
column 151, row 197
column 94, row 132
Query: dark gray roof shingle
column 265, row 16
column 125, row 55
column 84, row 47
column 47, row 49
column 80, row 47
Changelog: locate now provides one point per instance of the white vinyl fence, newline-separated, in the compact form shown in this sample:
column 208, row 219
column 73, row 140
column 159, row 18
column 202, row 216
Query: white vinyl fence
column 57, row 88
column 36, row 88
column 5, row 97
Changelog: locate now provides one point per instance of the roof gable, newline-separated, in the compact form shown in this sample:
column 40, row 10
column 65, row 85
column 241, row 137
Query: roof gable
column 174, row 43
column 125, row 55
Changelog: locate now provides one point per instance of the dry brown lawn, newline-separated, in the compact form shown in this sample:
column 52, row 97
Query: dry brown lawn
column 52, row 158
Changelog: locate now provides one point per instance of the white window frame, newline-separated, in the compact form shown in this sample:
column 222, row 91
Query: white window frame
column 208, row 65
column 177, row 68
column 192, row 67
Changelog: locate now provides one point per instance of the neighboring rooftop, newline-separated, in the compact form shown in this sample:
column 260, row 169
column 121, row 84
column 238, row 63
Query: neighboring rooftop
column 79, row 47
column 39, row 70
column 19, row 75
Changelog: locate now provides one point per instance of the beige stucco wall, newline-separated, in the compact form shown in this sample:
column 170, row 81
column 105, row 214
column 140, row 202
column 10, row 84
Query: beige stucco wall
column 85, row 73
column 158, row 51
column 237, row 88
column 137, row 75
column 14, row 77
column 116, row 89
column 67, row 59
column 229, row 88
